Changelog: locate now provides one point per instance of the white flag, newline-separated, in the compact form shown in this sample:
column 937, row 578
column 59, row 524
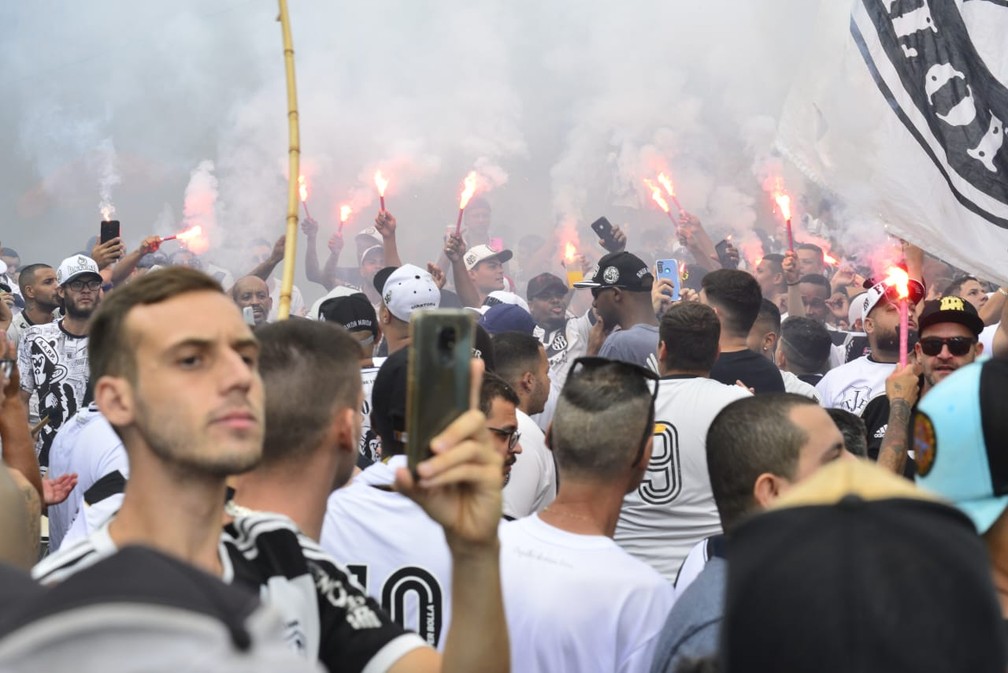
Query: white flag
column 900, row 111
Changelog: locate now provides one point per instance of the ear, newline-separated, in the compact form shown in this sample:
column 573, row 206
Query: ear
column 60, row 293
column 868, row 325
column 384, row 315
column 979, row 348
column 341, row 430
column 269, row 304
column 527, row 382
column 114, row 396
column 662, row 351
column 767, row 489
column 780, row 359
column 769, row 342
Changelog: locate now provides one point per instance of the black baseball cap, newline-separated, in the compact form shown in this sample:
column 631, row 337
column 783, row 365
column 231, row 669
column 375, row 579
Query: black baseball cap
column 624, row 270
column 543, row 283
column 950, row 309
column 354, row 312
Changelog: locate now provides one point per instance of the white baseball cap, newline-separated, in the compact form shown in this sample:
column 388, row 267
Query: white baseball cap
column 408, row 289
column 503, row 297
column 481, row 253
column 78, row 265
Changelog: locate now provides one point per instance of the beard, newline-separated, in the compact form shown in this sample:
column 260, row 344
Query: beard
column 73, row 310
column 889, row 341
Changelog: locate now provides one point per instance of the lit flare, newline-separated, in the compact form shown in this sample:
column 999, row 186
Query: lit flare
column 381, row 184
column 468, row 190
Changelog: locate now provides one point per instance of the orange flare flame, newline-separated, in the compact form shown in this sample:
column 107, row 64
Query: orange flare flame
column 302, row 188
column 666, row 183
column 830, row 259
column 569, row 252
column 468, row 190
column 191, row 232
column 381, row 182
column 344, row 213
column 899, row 279
column 783, row 201
column 656, row 195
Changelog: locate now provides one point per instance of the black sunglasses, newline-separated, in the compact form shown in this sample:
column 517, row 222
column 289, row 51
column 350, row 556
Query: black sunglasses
column 958, row 346
column 512, row 436
column 594, row 362
column 596, row 291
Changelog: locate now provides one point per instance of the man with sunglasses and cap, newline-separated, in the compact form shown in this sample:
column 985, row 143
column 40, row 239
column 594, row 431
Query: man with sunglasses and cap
column 851, row 386
column 574, row 599
column 950, row 328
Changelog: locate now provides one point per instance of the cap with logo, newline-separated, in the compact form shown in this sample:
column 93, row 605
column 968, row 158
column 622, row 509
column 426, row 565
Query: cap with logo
column 856, row 563
column 481, row 253
column 950, row 309
column 543, row 283
column 961, row 441
column 624, row 270
column 406, row 289
column 77, row 265
column 878, row 291
column 354, row 312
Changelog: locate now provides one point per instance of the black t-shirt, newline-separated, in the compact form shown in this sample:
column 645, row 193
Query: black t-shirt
column 876, row 420
column 750, row 368
column 811, row 379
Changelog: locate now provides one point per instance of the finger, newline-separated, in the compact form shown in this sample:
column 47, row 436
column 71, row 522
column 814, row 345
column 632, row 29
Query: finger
column 476, row 369
column 466, row 451
column 468, row 473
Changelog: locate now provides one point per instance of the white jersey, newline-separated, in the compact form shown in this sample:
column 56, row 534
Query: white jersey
column 674, row 506
column 532, row 485
column 325, row 613
column 297, row 305
column 578, row 602
column 88, row 446
column 369, row 449
column 987, row 339
column 397, row 552
column 564, row 345
column 793, row 384
column 850, row 387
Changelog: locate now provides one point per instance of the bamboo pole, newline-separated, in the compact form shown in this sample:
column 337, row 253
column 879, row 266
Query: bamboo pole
column 293, row 195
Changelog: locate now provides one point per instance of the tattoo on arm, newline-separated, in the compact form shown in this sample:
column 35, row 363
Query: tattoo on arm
column 893, row 451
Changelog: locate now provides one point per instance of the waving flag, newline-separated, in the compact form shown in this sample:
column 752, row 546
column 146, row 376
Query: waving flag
column 901, row 111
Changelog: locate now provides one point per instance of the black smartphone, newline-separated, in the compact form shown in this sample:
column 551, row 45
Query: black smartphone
column 438, row 380
column 727, row 261
column 604, row 229
column 109, row 230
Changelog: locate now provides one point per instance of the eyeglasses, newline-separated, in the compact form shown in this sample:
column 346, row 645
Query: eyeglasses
column 651, row 380
column 958, row 346
column 78, row 285
column 512, row 436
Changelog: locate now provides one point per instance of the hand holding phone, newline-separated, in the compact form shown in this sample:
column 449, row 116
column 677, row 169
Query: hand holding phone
column 109, row 230
column 669, row 268
column 604, row 229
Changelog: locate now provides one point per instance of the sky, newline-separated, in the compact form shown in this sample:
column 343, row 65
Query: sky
column 562, row 107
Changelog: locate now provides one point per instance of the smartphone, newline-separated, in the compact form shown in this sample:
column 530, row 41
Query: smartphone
column 727, row 262
column 604, row 229
column 669, row 268
column 438, row 382
column 248, row 315
column 109, row 230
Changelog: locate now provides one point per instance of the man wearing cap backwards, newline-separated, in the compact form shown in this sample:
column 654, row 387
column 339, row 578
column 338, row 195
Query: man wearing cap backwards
column 53, row 358
column 403, row 290
column 949, row 332
column 621, row 288
column 853, row 385
column 960, row 436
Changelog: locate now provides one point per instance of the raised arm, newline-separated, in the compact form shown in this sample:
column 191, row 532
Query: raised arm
column 454, row 250
column 386, row 226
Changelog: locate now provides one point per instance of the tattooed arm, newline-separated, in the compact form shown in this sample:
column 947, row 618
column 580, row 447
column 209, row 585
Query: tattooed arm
column 902, row 391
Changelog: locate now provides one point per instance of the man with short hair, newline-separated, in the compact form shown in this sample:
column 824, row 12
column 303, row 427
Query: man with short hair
column 392, row 547
column 810, row 259
column 758, row 448
column 574, row 600
column 485, row 267
column 851, row 386
column 735, row 297
column 764, row 338
column 804, row 348
column 403, row 290
column 520, row 359
column 673, row 507
column 815, row 292
column 38, row 286
column 176, row 373
column 252, row 292
column 989, row 308
column 53, row 357
column 621, row 288
column 770, row 275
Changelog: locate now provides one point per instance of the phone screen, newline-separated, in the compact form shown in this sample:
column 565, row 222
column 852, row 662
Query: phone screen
column 669, row 268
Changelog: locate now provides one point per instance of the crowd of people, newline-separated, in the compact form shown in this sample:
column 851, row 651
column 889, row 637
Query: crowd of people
column 729, row 470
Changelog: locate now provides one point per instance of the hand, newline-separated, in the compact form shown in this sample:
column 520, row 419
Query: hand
column 277, row 254
column 597, row 334
column 686, row 231
column 460, row 486
column 790, row 267
column 661, row 295
column 454, row 248
column 743, row 386
column 844, row 276
column 336, row 243
column 688, row 294
column 7, row 298
column 902, row 384
column 839, row 306
column 439, row 276
column 731, row 257
column 385, row 224
column 108, row 253
column 310, row 227
column 619, row 238
column 55, row 491
column 150, row 244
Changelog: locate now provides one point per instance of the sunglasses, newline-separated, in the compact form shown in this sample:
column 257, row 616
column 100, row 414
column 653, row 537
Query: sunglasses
column 958, row 346
column 651, row 380
column 512, row 436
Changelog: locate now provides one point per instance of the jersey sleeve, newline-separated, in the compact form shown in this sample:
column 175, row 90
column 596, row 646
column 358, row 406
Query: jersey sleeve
column 24, row 364
column 356, row 634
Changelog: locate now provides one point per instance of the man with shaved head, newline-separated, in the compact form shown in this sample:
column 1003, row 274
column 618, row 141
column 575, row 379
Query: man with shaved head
column 252, row 292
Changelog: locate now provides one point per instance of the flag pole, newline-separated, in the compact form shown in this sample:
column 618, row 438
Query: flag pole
column 294, row 170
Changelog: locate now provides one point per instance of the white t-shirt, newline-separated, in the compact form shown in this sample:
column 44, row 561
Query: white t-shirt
column 88, row 446
column 564, row 345
column 297, row 306
column 533, row 476
column 578, row 602
column 987, row 339
column 674, row 506
column 793, row 384
column 397, row 552
column 851, row 386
